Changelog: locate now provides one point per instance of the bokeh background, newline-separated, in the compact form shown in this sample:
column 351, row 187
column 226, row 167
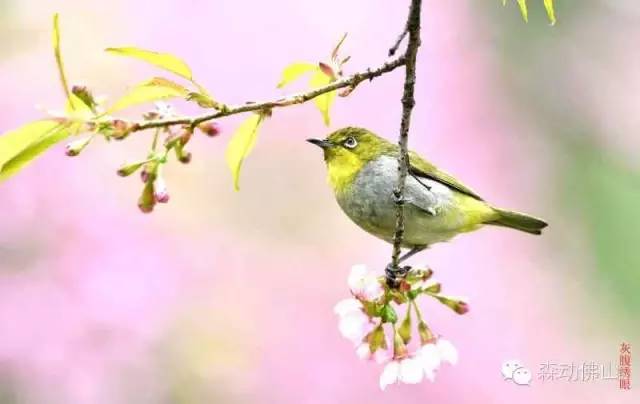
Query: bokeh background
column 226, row 297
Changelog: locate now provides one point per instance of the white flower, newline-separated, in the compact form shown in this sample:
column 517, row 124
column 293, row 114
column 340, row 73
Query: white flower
column 433, row 354
column 354, row 323
column 448, row 352
column 364, row 284
column 408, row 370
column 363, row 351
column 345, row 306
column 164, row 109
column 430, row 359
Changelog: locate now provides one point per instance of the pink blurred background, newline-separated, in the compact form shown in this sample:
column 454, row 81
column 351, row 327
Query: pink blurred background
column 225, row 296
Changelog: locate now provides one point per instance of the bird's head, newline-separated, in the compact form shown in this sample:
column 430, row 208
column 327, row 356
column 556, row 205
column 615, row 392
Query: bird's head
column 347, row 150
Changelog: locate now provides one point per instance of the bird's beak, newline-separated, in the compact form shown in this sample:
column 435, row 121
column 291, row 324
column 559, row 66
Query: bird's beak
column 320, row 143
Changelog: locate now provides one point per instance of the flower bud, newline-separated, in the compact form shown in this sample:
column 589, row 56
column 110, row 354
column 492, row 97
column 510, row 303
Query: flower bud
column 160, row 190
column 121, row 129
column 74, row 148
column 399, row 348
column 129, row 169
column 432, row 287
column 184, row 157
column 458, row 305
column 327, row 70
column 185, row 136
column 405, row 328
column 462, row 308
column 426, row 336
column 147, row 201
column 210, row 129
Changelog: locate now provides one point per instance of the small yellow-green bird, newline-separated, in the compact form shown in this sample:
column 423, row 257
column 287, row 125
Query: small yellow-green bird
column 363, row 171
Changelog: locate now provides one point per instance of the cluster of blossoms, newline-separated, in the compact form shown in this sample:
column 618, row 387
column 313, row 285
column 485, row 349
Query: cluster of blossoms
column 369, row 320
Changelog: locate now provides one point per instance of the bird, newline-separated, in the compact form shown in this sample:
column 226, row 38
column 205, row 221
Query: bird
column 363, row 173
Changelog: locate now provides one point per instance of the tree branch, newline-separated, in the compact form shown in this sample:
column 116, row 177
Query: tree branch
column 408, row 101
column 350, row 82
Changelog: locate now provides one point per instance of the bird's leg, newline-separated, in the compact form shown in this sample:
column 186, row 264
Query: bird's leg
column 411, row 253
column 395, row 274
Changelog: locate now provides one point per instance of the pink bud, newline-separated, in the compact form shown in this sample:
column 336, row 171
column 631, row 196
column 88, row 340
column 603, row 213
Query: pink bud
column 162, row 197
column 160, row 191
column 462, row 308
column 210, row 129
column 326, row 69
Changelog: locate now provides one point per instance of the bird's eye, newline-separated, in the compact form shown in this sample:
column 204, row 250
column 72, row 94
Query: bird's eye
column 350, row 142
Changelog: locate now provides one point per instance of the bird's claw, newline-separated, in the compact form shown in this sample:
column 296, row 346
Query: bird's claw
column 395, row 274
column 398, row 198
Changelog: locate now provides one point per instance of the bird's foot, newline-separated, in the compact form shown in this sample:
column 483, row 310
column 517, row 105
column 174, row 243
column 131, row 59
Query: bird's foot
column 394, row 275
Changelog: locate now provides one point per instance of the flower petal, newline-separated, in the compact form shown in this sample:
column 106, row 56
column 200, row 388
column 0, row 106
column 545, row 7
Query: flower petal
column 390, row 374
column 354, row 326
column 363, row 351
column 411, row 371
column 382, row 356
column 448, row 352
column 358, row 271
column 429, row 356
column 346, row 306
column 372, row 289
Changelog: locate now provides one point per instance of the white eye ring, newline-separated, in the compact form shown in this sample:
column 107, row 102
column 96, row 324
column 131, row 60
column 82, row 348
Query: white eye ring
column 350, row 142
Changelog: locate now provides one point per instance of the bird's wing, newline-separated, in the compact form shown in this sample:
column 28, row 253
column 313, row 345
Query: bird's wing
column 422, row 168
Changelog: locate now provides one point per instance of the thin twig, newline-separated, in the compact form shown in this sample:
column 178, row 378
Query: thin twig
column 396, row 45
column 408, row 101
column 349, row 82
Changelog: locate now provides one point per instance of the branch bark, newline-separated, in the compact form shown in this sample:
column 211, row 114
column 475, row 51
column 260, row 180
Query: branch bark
column 350, row 83
column 408, row 102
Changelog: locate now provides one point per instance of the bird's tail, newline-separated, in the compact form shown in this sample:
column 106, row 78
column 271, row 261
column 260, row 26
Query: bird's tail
column 518, row 221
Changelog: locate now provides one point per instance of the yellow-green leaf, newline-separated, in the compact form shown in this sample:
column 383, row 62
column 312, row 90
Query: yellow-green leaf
column 241, row 145
column 203, row 100
column 523, row 10
column 21, row 146
column 58, row 55
column 294, row 71
column 163, row 60
column 323, row 101
column 155, row 89
column 548, row 5
column 77, row 110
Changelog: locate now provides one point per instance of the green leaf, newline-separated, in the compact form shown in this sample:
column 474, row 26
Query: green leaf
column 78, row 110
column 163, row 60
column 155, row 89
column 294, row 71
column 241, row 145
column 388, row 314
column 19, row 147
column 59, row 63
column 203, row 100
column 548, row 5
column 323, row 101
column 523, row 10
